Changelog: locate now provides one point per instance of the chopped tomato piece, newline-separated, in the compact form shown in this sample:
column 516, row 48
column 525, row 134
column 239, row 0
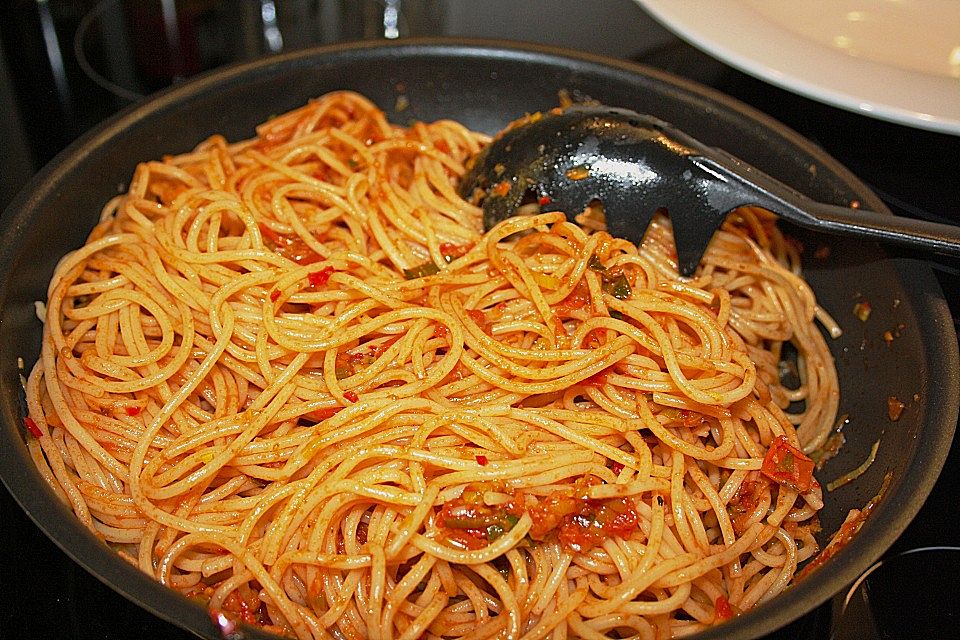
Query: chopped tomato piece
column 470, row 523
column 582, row 523
column 351, row 396
column 482, row 460
column 133, row 411
column 290, row 247
column 452, row 251
column 548, row 513
column 320, row 278
column 745, row 500
column 623, row 524
column 470, row 539
column 787, row 465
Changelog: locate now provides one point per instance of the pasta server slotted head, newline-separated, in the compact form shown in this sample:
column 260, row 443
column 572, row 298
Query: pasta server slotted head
column 636, row 164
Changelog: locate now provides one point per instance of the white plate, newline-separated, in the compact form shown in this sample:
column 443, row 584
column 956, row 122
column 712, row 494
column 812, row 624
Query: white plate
column 897, row 60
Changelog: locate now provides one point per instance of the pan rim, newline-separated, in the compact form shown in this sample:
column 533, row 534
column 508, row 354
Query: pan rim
column 940, row 339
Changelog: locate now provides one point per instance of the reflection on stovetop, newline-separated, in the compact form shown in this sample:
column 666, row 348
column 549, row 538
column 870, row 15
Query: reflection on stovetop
column 48, row 596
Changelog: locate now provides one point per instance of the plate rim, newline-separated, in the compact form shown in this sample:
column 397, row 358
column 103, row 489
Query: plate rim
column 748, row 49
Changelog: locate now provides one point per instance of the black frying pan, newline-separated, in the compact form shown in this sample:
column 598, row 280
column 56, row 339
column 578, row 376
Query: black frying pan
column 485, row 85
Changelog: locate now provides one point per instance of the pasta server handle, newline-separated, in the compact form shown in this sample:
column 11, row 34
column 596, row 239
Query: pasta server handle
column 756, row 187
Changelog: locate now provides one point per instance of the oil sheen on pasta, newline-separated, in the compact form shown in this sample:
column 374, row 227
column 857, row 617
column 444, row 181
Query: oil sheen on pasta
column 292, row 378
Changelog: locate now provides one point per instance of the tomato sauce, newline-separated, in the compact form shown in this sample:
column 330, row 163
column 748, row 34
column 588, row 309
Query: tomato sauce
column 580, row 523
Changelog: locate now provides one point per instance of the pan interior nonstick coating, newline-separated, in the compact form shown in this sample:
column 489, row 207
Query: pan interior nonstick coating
column 485, row 85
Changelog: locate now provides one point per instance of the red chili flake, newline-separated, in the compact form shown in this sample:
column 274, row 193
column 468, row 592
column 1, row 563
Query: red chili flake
column 320, row 278
column 482, row 460
column 894, row 408
column 274, row 295
column 545, row 200
column 133, row 411
column 862, row 310
column 722, row 608
column 32, row 427
column 351, row 396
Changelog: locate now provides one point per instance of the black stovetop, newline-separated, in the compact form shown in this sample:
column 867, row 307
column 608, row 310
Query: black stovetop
column 46, row 595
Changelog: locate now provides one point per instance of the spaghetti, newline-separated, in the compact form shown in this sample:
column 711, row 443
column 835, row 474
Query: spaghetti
column 292, row 378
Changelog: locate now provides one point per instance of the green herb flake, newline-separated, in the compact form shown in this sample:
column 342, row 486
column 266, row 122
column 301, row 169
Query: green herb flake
column 595, row 264
column 618, row 287
column 421, row 271
column 494, row 531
